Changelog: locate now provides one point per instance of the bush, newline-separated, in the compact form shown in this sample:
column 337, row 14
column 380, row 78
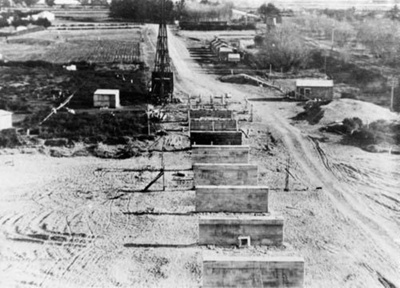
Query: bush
column 43, row 22
column 106, row 127
column 377, row 132
column 352, row 124
column 9, row 138
column 3, row 23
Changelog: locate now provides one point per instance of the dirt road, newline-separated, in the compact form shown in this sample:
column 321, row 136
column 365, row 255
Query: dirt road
column 367, row 231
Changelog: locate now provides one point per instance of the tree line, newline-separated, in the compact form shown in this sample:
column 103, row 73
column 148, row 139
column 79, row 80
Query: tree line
column 18, row 21
column 145, row 10
column 150, row 10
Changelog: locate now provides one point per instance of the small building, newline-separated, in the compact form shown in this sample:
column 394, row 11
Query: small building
column 216, row 44
column 314, row 89
column 21, row 28
column 106, row 98
column 223, row 53
column 273, row 20
column 234, row 57
column 46, row 15
column 5, row 119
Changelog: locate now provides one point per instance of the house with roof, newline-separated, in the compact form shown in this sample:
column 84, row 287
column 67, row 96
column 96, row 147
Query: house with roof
column 321, row 89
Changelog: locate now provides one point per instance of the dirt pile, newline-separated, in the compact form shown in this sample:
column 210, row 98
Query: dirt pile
column 336, row 111
column 236, row 79
column 348, row 108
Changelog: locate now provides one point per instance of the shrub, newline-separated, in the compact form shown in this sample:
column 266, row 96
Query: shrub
column 106, row 127
column 9, row 138
column 352, row 124
column 42, row 22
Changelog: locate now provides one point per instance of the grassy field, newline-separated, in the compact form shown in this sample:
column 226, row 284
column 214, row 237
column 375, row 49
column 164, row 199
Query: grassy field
column 35, row 76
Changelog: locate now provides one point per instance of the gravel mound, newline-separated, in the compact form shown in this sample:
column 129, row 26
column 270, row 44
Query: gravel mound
column 348, row 108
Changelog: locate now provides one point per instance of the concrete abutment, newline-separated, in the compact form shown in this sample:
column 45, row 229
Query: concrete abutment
column 226, row 230
column 235, row 199
column 252, row 271
column 220, row 154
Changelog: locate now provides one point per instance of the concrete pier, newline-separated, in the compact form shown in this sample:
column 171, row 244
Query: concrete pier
column 252, row 271
column 225, row 230
column 225, row 174
column 216, row 137
column 220, row 154
column 210, row 113
column 213, row 124
column 237, row 199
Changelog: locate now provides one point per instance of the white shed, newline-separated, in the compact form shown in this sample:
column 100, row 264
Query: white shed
column 106, row 98
column 5, row 119
column 314, row 89
column 48, row 15
column 233, row 57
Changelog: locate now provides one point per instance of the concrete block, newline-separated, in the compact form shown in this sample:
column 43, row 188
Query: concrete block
column 213, row 125
column 237, row 199
column 220, row 154
column 252, row 271
column 216, row 137
column 225, row 174
column 207, row 113
column 225, row 230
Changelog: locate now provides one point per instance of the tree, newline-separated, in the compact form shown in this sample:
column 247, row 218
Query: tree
column 180, row 7
column 50, row 3
column 284, row 49
column 28, row 3
column 3, row 23
column 394, row 13
column 5, row 3
column 141, row 10
column 381, row 37
column 268, row 10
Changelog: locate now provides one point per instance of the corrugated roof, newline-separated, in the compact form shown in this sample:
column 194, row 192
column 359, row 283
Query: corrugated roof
column 4, row 112
column 314, row 83
column 106, row 91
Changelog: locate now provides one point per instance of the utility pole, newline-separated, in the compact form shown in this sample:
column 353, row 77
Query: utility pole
column 394, row 82
column 286, row 189
column 392, row 96
column 163, row 167
column 148, row 112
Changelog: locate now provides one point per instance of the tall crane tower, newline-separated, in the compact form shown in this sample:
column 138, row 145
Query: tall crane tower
column 162, row 78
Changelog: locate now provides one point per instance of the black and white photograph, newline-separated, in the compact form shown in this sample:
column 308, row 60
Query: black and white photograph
column 199, row 144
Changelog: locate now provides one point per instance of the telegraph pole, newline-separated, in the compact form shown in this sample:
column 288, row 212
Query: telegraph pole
column 394, row 82
column 286, row 189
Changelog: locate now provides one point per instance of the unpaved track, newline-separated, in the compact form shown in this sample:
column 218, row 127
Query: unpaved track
column 374, row 240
